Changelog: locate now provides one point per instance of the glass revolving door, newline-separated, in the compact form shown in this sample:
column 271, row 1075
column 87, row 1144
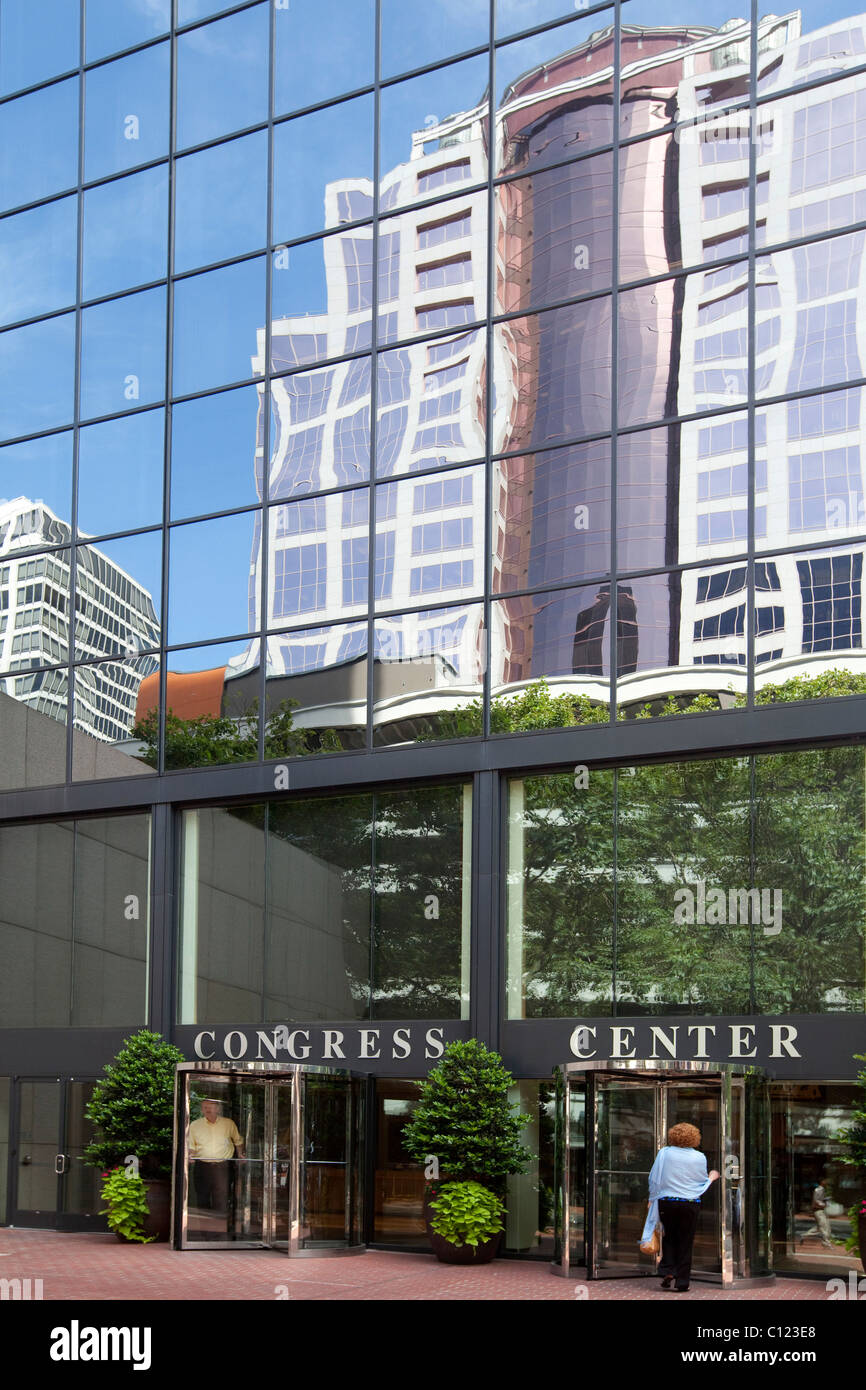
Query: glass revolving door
column 268, row 1155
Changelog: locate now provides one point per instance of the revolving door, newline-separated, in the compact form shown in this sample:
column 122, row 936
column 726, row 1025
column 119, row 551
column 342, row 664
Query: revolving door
column 268, row 1155
column 612, row 1118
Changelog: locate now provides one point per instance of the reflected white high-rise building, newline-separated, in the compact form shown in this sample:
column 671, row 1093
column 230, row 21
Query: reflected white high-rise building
column 115, row 620
column 811, row 177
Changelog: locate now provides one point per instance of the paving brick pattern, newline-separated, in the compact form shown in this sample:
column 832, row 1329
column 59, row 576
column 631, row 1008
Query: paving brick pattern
column 89, row 1266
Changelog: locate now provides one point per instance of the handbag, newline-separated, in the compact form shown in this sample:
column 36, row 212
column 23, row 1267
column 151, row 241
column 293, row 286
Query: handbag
column 652, row 1245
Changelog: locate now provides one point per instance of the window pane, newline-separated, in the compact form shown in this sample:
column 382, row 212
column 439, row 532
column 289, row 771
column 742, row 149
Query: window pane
column 36, row 41
column 37, row 376
column 123, row 353
column 678, row 951
column 551, row 517
column 537, row 81
column 106, row 739
column 40, row 468
column 212, row 695
column 301, row 78
column 809, row 868
column 118, row 597
column 557, row 235
column 322, row 298
column 228, row 602
column 222, row 76
column 215, row 458
column 560, row 924
column 420, row 964
column 429, row 674
column 552, row 376
column 232, row 304
column 413, row 37
column 112, row 866
column 221, row 202
column 127, row 112
column 125, row 233
column 37, row 260
column 315, row 158
column 120, row 468
column 116, row 24
column 563, row 635
column 417, row 119
column 431, row 404
column 36, row 932
column 317, row 690
column 39, row 144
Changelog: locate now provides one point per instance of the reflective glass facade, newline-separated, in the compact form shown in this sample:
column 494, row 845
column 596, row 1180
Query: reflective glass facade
column 431, row 528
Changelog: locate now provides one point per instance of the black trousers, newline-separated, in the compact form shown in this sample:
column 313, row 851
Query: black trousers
column 212, row 1185
column 679, row 1223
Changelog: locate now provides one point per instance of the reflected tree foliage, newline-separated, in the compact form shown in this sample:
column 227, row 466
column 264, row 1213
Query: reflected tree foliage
column 600, row 922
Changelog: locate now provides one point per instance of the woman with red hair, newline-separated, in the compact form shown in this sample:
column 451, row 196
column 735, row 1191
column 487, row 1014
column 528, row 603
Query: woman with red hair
column 677, row 1181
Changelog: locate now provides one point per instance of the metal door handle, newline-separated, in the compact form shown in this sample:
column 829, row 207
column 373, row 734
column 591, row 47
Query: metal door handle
column 59, row 1164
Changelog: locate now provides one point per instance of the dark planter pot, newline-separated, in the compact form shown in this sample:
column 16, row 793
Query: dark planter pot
column 449, row 1254
column 861, row 1236
column 158, row 1222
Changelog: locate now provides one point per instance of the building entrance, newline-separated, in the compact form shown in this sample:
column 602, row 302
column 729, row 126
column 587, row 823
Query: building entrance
column 50, row 1186
column 613, row 1119
column 268, row 1155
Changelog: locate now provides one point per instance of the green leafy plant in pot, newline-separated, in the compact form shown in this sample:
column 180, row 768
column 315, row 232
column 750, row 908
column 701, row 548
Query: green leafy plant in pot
column 466, row 1133
column 132, row 1111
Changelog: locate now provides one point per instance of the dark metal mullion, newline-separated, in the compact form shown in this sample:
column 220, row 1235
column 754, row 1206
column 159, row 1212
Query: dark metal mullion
column 169, row 372
column 751, row 361
column 264, row 542
column 369, row 737
column 72, row 624
column 613, row 606
column 489, row 470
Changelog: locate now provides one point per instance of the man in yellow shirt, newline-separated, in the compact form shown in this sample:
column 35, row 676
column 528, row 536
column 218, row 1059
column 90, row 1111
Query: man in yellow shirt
column 214, row 1139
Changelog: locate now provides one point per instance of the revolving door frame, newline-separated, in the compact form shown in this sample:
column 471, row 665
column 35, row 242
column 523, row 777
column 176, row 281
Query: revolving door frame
column 273, row 1072
column 732, row 1078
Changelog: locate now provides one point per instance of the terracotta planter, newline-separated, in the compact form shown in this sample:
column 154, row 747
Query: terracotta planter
column 448, row 1254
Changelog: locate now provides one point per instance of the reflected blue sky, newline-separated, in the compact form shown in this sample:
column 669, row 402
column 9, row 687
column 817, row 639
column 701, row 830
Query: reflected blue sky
column 39, row 144
column 125, row 233
column 300, row 76
column 208, row 599
column 212, row 453
column 222, row 81
column 37, row 260
column 40, row 469
column 120, row 468
column 115, row 24
column 37, row 41
column 221, row 201
column 126, row 116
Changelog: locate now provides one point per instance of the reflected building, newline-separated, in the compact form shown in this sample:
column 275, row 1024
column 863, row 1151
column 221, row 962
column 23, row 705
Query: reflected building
column 114, row 616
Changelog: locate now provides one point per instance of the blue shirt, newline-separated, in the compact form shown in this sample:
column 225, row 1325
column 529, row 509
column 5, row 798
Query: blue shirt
column 676, row 1173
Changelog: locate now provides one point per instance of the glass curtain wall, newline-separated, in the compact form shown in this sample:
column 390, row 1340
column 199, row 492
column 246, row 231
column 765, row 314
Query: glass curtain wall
column 445, row 429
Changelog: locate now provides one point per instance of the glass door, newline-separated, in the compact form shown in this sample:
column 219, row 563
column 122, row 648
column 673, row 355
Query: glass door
column 626, row 1122
column 223, row 1174
column 697, row 1104
column 38, row 1155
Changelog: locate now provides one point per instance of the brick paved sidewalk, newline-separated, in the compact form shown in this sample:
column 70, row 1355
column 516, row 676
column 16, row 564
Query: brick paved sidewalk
column 88, row 1266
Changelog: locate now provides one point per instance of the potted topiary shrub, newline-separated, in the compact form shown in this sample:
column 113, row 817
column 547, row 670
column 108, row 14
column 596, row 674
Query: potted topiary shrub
column 132, row 1109
column 465, row 1132
column 853, row 1136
